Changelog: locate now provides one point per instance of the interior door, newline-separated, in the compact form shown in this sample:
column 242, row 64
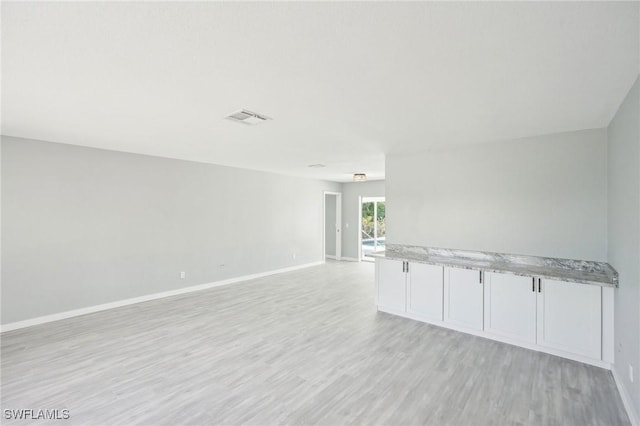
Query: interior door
column 332, row 227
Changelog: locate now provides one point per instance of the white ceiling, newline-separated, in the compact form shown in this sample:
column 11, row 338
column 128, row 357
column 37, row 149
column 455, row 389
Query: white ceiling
column 345, row 83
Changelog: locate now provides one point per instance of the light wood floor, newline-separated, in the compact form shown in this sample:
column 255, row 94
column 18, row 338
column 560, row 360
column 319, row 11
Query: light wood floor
column 306, row 347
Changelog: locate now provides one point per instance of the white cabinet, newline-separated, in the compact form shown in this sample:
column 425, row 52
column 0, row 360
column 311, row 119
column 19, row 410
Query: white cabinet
column 570, row 317
column 563, row 318
column 425, row 291
column 392, row 286
column 409, row 288
column 558, row 315
column 463, row 293
column 510, row 306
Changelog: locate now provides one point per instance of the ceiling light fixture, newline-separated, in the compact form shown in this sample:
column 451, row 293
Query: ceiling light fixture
column 359, row 177
column 247, row 117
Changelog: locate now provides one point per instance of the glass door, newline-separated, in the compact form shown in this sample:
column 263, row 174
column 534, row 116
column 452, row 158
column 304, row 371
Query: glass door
column 372, row 229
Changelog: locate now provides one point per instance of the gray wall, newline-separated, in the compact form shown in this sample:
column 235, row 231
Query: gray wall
column 624, row 235
column 83, row 226
column 543, row 196
column 350, row 208
column 330, row 225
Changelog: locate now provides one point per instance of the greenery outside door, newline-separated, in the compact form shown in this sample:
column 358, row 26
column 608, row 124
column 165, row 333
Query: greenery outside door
column 372, row 229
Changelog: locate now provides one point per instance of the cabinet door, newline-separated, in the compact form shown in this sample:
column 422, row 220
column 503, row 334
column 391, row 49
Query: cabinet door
column 510, row 306
column 570, row 317
column 392, row 291
column 463, row 293
column 425, row 290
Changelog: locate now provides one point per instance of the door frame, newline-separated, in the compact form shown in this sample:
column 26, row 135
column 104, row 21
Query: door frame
column 338, row 223
column 361, row 199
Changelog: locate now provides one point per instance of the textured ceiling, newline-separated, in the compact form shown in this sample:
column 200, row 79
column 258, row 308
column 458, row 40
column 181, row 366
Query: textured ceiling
column 345, row 83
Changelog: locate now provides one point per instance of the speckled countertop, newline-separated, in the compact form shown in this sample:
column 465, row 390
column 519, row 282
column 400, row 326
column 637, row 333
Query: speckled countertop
column 580, row 271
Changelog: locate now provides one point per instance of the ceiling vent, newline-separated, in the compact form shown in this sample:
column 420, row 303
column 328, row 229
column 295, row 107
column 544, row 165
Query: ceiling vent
column 247, row 117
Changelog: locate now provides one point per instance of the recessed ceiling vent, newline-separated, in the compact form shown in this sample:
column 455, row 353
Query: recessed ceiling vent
column 247, row 117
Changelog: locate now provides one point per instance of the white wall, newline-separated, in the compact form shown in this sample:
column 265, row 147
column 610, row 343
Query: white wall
column 330, row 224
column 544, row 196
column 624, row 237
column 82, row 226
column 350, row 209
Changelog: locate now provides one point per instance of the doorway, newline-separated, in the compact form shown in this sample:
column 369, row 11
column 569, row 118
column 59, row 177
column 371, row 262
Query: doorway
column 332, row 239
column 372, row 226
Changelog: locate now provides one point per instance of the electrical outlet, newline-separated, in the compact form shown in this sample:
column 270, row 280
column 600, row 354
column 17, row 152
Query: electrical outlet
column 631, row 373
column 183, row 275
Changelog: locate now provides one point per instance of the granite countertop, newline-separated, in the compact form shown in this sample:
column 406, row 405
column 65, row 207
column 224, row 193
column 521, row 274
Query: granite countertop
column 580, row 271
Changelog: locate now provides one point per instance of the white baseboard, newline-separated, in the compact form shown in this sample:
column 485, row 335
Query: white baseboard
column 626, row 399
column 97, row 308
column 348, row 259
